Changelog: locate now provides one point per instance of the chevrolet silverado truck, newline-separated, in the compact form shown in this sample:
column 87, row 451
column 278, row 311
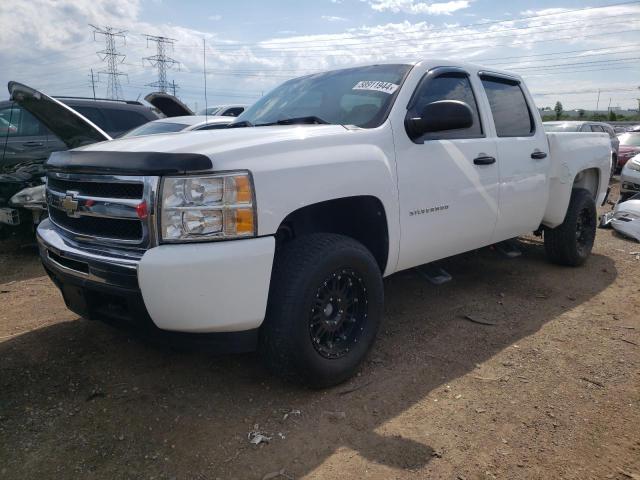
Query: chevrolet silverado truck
column 276, row 232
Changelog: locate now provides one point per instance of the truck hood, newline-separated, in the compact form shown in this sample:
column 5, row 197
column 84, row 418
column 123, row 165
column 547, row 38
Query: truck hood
column 197, row 151
column 211, row 142
column 72, row 128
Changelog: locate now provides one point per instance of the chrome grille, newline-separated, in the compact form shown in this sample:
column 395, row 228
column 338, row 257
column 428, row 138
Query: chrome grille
column 109, row 210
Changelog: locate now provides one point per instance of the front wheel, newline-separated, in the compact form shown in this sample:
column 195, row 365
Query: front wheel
column 324, row 310
column 571, row 242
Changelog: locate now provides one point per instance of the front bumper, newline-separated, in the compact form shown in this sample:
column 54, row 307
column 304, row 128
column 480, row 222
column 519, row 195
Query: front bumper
column 208, row 287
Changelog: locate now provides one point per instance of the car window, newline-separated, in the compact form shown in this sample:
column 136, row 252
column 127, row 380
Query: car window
column 449, row 86
column 509, row 107
column 233, row 111
column 17, row 122
column 586, row 128
column 153, row 128
column 124, row 120
column 597, row 128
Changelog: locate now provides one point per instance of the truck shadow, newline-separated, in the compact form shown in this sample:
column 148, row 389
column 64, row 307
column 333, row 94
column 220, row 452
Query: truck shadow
column 81, row 395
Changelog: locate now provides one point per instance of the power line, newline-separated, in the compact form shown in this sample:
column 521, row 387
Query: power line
column 113, row 58
column 161, row 61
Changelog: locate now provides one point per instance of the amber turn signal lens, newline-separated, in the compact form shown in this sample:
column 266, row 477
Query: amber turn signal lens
column 243, row 189
column 244, row 221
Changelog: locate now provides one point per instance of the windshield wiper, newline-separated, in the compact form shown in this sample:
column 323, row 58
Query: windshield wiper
column 243, row 123
column 310, row 119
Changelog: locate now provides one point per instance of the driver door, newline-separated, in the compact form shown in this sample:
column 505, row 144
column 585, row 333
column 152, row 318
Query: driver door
column 448, row 181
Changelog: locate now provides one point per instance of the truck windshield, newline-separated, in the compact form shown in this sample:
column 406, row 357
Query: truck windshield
column 359, row 96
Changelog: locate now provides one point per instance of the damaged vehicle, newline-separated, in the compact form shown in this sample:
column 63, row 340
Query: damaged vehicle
column 180, row 124
column 626, row 218
column 630, row 178
column 275, row 233
column 28, row 142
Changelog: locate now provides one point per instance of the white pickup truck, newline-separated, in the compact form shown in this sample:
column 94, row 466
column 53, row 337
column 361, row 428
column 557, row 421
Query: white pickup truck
column 276, row 233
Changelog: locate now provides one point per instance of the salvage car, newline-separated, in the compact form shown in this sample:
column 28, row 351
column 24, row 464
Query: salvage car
column 276, row 232
column 630, row 178
column 27, row 143
column 629, row 147
column 224, row 110
column 180, row 124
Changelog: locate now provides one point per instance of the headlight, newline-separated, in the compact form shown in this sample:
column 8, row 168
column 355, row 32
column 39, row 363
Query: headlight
column 214, row 207
column 32, row 198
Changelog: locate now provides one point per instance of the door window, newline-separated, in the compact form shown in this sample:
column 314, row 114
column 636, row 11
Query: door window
column 448, row 86
column 17, row 122
column 511, row 114
column 597, row 128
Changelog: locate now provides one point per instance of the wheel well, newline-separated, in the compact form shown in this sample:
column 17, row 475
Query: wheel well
column 362, row 218
column 588, row 179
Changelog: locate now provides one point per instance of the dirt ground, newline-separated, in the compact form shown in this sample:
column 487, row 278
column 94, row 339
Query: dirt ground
column 550, row 389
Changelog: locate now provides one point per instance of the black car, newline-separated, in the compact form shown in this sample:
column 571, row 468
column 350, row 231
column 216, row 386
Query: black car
column 25, row 144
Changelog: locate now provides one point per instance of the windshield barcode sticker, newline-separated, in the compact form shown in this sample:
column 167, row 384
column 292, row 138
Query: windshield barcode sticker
column 376, row 86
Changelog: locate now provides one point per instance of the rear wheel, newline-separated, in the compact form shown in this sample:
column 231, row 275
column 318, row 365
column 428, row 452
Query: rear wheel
column 571, row 242
column 325, row 306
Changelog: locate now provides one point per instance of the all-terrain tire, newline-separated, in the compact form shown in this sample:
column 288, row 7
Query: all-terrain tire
column 571, row 242
column 311, row 275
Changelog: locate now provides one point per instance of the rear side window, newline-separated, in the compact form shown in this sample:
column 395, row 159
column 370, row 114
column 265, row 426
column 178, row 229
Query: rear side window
column 597, row 128
column 124, row 120
column 94, row 115
column 448, row 86
column 509, row 107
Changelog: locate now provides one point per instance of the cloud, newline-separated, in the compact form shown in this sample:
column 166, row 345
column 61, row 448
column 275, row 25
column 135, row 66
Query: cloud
column 61, row 50
column 416, row 7
column 331, row 18
column 215, row 18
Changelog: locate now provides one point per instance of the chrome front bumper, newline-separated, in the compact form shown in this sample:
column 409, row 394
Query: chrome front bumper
column 101, row 266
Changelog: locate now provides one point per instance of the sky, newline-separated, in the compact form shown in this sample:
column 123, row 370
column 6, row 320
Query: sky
column 567, row 50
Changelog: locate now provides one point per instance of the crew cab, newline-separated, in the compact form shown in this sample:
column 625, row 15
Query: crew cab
column 275, row 232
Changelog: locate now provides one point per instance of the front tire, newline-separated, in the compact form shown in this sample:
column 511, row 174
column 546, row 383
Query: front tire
column 571, row 242
column 324, row 310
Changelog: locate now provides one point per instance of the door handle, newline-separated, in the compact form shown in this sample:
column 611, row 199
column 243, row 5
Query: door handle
column 484, row 160
column 33, row 144
column 538, row 155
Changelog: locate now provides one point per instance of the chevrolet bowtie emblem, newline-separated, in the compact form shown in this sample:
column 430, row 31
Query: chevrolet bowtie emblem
column 69, row 204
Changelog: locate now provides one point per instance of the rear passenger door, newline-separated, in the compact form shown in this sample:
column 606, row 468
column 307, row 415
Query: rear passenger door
column 523, row 158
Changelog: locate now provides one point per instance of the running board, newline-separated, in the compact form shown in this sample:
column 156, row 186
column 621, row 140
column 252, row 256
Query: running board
column 433, row 274
column 508, row 248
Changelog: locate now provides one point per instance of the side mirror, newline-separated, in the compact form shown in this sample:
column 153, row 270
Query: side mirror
column 440, row 116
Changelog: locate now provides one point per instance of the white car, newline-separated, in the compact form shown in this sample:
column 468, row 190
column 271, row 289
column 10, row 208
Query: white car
column 180, row 124
column 277, row 232
column 630, row 178
column 224, row 110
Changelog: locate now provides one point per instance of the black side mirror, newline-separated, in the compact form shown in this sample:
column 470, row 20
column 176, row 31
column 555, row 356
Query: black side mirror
column 440, row 116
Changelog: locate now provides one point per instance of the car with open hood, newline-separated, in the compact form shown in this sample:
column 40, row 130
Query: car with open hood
column 57, row 124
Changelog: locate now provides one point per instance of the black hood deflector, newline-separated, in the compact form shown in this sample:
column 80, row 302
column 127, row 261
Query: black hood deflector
column 128, row 163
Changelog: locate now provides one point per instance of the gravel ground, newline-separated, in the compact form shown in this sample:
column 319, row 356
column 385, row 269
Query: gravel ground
column 547, row 387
